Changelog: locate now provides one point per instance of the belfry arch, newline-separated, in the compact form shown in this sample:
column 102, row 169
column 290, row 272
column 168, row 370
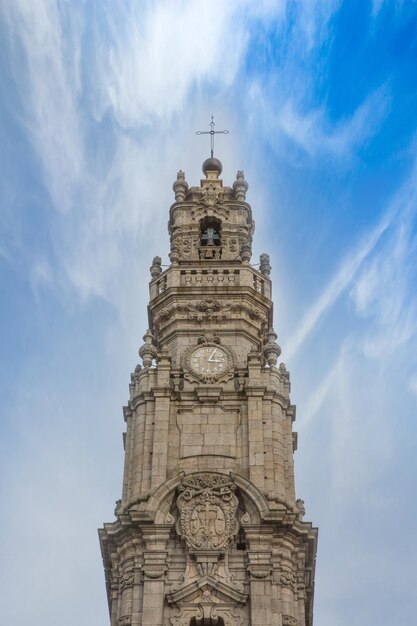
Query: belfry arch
column 210, row 231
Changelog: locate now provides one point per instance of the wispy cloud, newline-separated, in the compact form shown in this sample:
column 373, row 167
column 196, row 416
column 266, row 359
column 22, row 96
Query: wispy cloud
column 293, row 124
column 372, row 284
column 337, row 284
column 313, row 132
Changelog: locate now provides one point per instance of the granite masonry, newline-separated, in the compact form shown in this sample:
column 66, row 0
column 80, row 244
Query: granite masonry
column 208, row 530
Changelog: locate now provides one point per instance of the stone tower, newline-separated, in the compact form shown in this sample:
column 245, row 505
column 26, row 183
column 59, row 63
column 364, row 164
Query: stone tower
column 208, row 530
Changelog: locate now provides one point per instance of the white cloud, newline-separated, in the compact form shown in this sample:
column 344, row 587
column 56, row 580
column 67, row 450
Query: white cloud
column 147, row 71
column 50, row 92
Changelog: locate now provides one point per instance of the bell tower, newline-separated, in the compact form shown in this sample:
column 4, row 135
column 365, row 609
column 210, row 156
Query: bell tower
column 208, row 530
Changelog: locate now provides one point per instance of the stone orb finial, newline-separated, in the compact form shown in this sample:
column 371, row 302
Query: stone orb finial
column 212, row 165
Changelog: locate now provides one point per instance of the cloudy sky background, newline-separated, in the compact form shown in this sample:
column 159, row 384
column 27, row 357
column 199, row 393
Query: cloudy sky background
column 99, row 105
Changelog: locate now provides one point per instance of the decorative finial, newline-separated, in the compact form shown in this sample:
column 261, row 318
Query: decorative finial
column 156, row 268
column 180, row 187
column 272, row 349
column 240, row 186
column 264, row 265
column 212, row 132
column 148, row 351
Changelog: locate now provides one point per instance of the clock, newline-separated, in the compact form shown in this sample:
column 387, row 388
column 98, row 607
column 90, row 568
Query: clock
column 208, row 362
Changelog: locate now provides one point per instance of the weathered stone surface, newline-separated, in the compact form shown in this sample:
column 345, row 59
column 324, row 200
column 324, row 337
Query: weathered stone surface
column 208, row 529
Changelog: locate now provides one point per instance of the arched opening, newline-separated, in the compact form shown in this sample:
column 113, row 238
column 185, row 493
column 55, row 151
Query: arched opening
column 210, row 231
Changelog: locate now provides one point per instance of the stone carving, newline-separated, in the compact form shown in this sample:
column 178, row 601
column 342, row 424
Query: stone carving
column 186, row 247
column 181, row 247
column 233, row 244
column 210, row 310
column 125, row 620
column 300, row 508
column 210, row 208
column 288, row 579
column 126, row 580
column 207, row 505
column 289, row 620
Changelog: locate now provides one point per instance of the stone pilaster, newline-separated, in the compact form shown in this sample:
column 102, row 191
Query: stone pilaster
column 154, row 569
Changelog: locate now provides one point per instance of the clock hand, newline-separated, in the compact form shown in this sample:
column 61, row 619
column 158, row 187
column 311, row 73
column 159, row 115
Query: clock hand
column 211, row 360
column 220, row 358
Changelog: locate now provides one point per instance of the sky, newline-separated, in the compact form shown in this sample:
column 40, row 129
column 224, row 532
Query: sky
column 100, row 101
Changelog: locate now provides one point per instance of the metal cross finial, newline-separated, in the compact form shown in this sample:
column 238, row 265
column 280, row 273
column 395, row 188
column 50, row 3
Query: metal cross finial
column 212, row 132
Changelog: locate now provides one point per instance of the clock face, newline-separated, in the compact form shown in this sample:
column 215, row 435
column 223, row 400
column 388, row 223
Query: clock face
column 209, row 361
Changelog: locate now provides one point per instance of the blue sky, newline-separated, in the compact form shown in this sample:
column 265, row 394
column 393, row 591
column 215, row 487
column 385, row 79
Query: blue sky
column 100, row 103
